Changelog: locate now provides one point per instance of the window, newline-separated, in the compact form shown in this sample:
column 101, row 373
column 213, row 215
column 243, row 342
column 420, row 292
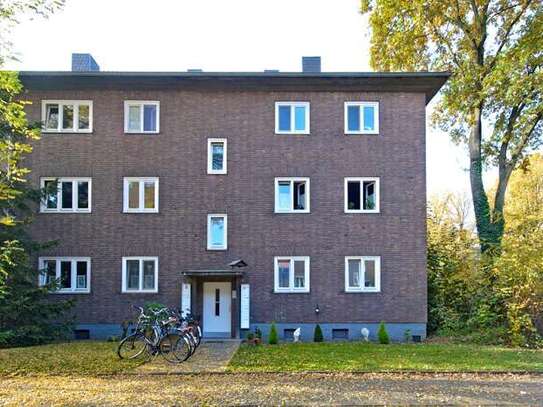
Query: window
column 67, row 116
column 72, row 274
column 292, row 117
column 66, row 195
column 141, row 116
column 216, row 156
column 363, row 274
column 140, row 274
column 217, row 232
column 292, row 195
column 361, row 118
column 362, row 195
column 291, row 274
column 140, row 195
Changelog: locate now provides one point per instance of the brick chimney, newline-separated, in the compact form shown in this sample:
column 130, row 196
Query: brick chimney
column 311, row 64
column 84, row 63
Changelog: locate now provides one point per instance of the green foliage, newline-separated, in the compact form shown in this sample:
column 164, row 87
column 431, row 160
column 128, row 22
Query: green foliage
column 382, row 334
column 370, row 357
column 250, row 336
column 317, row 336
column 407, row 335
column 494, row 50
column 273, row 338
column 27, row 315
column 495, row 300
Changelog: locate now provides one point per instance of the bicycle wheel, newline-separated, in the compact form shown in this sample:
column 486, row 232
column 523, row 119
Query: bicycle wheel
column 132, row 346
column 175, row 348
column 197, row 333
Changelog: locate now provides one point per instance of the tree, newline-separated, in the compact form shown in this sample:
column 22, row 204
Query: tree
column 494, row 50
column 27, row 315
column 273, row 338
column 13, row 11
column 382, row 334
column 317, row 335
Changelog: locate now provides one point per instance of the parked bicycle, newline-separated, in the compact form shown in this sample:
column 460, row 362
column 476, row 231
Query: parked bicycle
column 162, row 331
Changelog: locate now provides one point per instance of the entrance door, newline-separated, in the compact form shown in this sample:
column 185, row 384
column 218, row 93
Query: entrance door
column 217, row 302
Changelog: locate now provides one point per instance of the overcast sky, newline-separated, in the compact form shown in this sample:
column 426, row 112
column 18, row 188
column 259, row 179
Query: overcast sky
column 218, row 35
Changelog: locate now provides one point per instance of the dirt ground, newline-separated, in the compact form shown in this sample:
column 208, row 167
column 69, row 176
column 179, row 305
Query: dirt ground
column 314, row 388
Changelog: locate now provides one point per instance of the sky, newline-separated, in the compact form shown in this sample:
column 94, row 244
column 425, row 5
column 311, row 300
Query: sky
column 218, row 35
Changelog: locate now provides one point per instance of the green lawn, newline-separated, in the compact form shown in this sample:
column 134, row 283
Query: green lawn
column 369, row 357
column 81, row 358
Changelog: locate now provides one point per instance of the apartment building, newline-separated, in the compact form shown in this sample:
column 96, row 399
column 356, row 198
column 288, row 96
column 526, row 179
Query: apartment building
column 244, row 198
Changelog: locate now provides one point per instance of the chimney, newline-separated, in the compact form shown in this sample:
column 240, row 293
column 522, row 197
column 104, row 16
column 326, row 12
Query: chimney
column 311, row 64
column 84, row 63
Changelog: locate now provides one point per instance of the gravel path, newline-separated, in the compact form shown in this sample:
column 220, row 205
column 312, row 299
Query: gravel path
column 315, row 389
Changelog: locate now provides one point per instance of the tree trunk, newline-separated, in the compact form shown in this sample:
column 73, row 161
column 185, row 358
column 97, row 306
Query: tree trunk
column 489, row 233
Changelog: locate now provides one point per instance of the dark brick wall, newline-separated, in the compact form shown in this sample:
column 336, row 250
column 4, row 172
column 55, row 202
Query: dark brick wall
column 177, row 235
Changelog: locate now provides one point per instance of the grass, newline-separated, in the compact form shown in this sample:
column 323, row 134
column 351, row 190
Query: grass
column 369, row 357
column 69, row 358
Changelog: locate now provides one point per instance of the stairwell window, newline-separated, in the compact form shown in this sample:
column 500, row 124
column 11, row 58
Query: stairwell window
column 71, row 274
column 362, row 195
column 140, row 274
column 216, row 156
column 292, row 117
column 363, row 274
column 66, row 195
column 140, row 195
column 217, row 232
column 361, row 118
column 291, row 274
column 67, row 116
column 292, row 195
column 141, row 116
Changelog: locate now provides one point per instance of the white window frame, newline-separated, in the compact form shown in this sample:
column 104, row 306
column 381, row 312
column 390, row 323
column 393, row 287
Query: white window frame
column 377, row 195
column 210, row 142
column 140, row 103
column 363, row 289
column 361, row 105
column 141, row 259
column 291, row 288
column 292, row 106
column 59, row 209
column 225, row 245
column 141, row 208
column 73, row 261
column 76, row 104
column 292, row 180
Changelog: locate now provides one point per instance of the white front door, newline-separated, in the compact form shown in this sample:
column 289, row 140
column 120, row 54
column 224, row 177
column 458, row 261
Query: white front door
column 217, row 302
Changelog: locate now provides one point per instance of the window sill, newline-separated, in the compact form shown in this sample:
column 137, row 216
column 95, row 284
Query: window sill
column 217, row 249
column 291, row 292
column 216, row 173
column 352, row 133
column 290, row 212
column 65, row 132
column 361, row 291
column 140, row 292
column 141, row 212
column 142, row 133
column 362, row 212
column 64, row 212
column 69, row 292
column 291, row 134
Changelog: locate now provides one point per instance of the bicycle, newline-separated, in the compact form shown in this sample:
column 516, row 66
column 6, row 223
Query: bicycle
column 152, row 335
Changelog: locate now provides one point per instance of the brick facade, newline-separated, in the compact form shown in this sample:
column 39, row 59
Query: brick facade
column 177, row 234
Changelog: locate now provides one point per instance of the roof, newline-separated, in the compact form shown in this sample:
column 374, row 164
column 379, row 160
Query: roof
column 428, row 83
